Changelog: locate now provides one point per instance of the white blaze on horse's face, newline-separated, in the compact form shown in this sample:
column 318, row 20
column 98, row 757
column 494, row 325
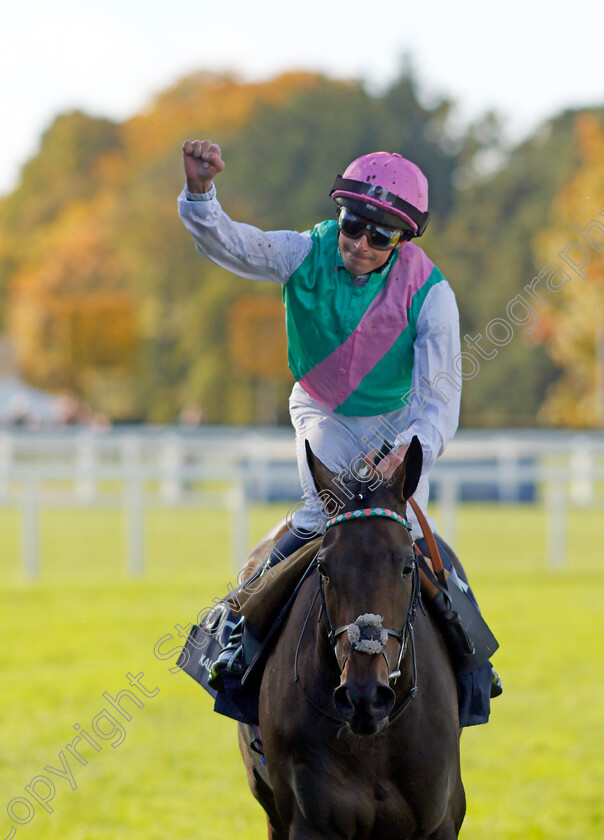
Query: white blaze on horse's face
column 362, row 564
column 366, row 568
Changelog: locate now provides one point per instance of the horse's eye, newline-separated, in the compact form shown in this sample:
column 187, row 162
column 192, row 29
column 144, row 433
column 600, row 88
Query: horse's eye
column 322, row 571
column 409, row 567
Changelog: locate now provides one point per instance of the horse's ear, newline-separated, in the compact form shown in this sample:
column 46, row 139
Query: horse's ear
column 322, row 477
column 406, row 477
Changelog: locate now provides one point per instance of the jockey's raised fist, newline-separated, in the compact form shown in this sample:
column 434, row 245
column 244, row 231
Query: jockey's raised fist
column 202, row 161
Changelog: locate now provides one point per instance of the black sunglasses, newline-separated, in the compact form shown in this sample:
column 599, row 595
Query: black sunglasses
column 381, row 238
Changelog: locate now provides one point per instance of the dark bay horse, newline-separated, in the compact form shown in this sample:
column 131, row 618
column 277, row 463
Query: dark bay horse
column 358, row 702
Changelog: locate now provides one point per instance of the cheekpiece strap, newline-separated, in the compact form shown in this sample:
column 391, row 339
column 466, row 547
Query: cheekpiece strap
column 362, row 513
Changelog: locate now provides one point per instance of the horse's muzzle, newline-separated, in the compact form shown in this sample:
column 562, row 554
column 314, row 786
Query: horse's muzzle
column 365, row 708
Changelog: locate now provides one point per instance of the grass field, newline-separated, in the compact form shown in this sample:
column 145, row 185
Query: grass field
column 535, row 771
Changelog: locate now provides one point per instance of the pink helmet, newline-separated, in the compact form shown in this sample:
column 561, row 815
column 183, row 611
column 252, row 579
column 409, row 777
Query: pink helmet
column 386, row 189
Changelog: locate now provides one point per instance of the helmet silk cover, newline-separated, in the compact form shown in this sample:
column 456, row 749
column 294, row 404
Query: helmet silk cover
column 382, row 179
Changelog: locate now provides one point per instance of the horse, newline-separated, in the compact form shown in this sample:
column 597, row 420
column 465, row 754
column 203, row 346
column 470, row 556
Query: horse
column 358, row 704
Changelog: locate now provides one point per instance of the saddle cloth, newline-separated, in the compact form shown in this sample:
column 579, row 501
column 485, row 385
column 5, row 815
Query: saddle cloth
column 262, row 599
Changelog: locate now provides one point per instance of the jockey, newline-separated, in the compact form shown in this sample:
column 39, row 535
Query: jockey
column 372, row 326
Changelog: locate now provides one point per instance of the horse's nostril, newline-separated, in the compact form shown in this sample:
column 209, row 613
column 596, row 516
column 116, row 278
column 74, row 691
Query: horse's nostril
column 343, row 703
column 383, row 701
column 374, row 702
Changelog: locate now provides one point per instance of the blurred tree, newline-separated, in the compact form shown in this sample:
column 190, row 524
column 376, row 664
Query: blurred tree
column 281, row 169
column 485, row 251
column 258, row 348
column 69, row 309
column 95, row 265
column 257, row 340
column 572, row 322
column 69, row 166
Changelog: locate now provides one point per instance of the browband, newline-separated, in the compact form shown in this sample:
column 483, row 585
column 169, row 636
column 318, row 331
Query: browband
column 366, row 513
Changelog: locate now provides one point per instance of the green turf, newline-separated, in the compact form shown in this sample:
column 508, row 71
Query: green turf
column 535, row 771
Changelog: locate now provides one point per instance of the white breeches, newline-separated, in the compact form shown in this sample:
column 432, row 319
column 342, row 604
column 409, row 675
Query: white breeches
column 340, row 443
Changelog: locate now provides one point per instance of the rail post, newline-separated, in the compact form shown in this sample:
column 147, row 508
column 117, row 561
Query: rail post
column 239, row 523
column 135, row 506
column 30, row 533
column 171, row 465
column 556, row 523
column 6, row 460
column 85, row 488
column 449, row 495
column 581, row 469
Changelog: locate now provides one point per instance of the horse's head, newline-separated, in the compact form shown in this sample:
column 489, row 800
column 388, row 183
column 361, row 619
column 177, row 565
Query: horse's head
column 369, row 583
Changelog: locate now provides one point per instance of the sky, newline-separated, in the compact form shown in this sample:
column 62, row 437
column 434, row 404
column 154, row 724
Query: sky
column 525, row 60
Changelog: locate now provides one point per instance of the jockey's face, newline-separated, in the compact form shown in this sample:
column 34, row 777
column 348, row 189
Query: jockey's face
column 359, row 256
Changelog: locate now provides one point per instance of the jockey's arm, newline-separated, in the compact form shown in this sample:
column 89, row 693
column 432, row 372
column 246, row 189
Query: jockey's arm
column 240, row 248
column 243, row 249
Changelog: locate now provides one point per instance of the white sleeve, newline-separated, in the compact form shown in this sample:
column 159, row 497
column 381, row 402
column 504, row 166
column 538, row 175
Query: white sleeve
column 435, row 395
column 243, row 249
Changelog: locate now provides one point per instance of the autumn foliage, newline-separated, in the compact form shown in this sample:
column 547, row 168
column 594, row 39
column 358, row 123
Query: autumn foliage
column 572, row 323
column 105, row 297
column 257, row 340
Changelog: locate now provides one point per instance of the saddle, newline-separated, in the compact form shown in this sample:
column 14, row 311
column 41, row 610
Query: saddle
column 267, row 601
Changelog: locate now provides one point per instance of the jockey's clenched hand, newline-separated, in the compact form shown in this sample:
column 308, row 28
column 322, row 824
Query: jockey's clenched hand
column 386, row 465
column 202, row 161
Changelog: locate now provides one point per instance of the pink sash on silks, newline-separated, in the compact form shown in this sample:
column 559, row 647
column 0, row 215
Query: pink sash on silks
column 337, row 376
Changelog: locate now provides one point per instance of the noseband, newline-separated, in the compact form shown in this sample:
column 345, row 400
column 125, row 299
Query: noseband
column 366, row 633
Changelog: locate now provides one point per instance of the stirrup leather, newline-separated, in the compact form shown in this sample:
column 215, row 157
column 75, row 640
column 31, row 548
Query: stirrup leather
column 469, row 638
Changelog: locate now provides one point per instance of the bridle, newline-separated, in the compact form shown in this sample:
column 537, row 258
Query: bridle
column 366, row 633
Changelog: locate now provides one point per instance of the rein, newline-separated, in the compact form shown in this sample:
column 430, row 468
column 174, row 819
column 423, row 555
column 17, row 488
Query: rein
column 366, row 634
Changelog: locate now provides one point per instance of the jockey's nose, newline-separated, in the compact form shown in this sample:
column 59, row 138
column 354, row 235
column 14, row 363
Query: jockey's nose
column 362, row 242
